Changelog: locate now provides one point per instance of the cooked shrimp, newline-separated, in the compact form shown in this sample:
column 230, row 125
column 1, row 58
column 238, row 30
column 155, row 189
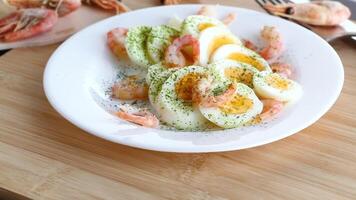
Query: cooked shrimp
column 321, row 13
column 229, row 18
column 174, row 56
column 207, row 10
column 143, row 118
column 130, row 88
column 62, row 7
column 270, row 109
column 282, row 69
column 203, row 95
column 116, row 42
column 274, row 44
column 250, row 45
column 26, row 23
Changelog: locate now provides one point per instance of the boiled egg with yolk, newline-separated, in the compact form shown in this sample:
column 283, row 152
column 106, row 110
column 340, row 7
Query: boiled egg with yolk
column 241, row 54
column 195, row 24
column 274, row 86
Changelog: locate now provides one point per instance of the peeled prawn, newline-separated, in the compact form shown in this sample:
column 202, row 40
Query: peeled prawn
column 202, row 94
column 321, row 13
column 282, row 69
column 207, row 10
column 229, row 18
column 143, row 118
column 174, row 56
column 130, row 88
column 274, row 44
column 270, row 109
column 116, row 42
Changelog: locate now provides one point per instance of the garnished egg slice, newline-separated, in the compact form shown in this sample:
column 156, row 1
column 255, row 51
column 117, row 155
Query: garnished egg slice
column 159, row 38
column 156, row 85
column 154, row 71
column 135, row 44
column 274, row 86
column 241, row 54
column 174, row 102
column 235, row 71
column 212, row 39
column 242, row 108
column 194, row 24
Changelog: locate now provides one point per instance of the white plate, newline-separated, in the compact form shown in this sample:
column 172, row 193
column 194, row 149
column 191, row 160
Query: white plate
column 81, row 65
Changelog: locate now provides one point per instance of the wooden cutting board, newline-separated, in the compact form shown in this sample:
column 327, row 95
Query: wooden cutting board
column 65, row 27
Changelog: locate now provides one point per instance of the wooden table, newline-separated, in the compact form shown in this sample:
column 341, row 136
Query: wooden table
column 43, row 156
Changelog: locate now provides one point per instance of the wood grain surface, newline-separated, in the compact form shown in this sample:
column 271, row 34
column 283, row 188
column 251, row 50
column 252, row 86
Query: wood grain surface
column 42, row 156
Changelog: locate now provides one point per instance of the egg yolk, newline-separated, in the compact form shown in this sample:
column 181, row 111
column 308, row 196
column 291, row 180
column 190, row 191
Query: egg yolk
column 239, row 75
column 204, row 26
column 184, row 87
column 218, row 42
column 238, row 105
column 247, row 59
column 277, row 81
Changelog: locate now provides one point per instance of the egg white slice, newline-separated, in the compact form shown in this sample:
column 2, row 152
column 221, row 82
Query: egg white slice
column 194, row 24
column 274, row 86
column 235, row 71
column 176, row 111
column 241, row 54
column 212, row 39
column 154, row 71
column 135, row 44
column 244, row 106
column 159, row 38
column 156, row 85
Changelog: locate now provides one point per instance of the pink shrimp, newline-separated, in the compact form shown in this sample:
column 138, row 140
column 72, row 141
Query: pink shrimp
column 116, row 42
column 270, row 109
column 130, row 88
column 282, row 69
column 26, row 23
column 63, row 7
column 202, row 94
column 273, row 39
column 250, row 45
column 174, row 57
column 229, row 18
column 321, row 13
column 143, row 118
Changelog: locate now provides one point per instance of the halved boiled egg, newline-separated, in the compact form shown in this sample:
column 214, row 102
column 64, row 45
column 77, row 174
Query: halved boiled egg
column 235, row 71
column 174, row 102
column 275, row 86
column 194, row 24
column 241, row 54
column 213, row 38
column 242, row 108
column 135, row 44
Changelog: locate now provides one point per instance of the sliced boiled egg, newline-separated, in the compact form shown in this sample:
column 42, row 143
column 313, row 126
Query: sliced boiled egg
column 235, row 71
column 135, row 44
column 195, row 24
column 159, row 38
column 241, row 54
column 155, row 86
column 213, row 38
column 174, row 102
column 275, row 86
column 242, row 108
